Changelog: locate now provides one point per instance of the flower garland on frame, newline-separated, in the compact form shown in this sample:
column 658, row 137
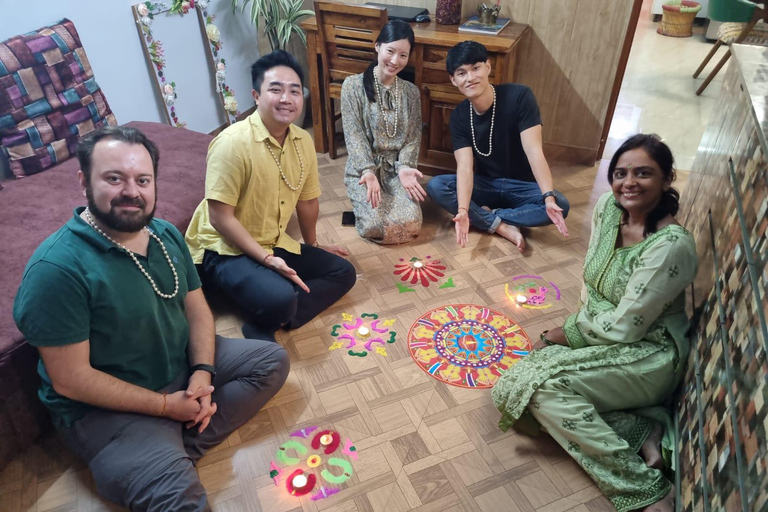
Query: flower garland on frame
column 227, row 93
column 146, row 13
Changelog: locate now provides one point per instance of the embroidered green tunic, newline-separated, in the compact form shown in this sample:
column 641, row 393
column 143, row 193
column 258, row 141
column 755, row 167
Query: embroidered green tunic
column 627, row 347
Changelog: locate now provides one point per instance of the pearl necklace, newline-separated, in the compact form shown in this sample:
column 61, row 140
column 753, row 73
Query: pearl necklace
column 280, row 167
column 472, row 126
column 136, row 260
column 381, row 109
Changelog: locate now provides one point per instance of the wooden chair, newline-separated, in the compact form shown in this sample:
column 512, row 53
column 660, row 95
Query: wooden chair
column 346, row 37
column 732, row 31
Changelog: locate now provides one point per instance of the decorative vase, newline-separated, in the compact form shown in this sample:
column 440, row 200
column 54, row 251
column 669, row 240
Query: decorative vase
column 448, row 12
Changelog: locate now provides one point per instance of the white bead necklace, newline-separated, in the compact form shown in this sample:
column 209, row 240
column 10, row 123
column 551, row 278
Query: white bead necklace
column 280, row 167
column 136, row 260
column 381, row 109
column 472, row 126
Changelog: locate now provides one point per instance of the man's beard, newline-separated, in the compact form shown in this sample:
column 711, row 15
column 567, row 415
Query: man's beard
column 116, row 222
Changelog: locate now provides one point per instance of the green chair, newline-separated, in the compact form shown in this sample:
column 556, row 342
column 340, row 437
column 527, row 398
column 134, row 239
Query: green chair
column 740, row 25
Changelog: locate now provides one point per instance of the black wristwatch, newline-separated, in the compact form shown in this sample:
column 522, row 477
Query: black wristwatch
column 206, row 368
column 545, row 195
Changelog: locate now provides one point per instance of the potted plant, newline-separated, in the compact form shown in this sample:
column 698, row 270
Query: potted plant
column 280, row 20
column 677, row 18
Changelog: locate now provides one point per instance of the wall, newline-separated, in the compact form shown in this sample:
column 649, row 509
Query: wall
column 108, row 33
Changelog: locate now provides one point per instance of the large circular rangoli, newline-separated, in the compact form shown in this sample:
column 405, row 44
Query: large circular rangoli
column 467, row 345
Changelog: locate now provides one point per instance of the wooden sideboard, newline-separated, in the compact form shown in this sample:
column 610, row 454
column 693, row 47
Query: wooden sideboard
column 438, row 95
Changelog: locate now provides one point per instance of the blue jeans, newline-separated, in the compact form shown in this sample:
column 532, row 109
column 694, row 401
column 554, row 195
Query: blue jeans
column 514, row 202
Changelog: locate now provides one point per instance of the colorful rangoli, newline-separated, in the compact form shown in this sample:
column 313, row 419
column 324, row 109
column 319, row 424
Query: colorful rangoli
column 532, row 292
column 317, row 465
column 363, row 334
column 467, row 345
column 420, row 271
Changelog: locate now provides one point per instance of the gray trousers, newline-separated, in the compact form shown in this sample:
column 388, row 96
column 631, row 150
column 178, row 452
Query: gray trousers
column 147, row 463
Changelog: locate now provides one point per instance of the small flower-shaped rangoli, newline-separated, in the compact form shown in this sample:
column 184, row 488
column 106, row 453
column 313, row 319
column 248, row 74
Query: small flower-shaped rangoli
column 363, row 332
column 325, row 469
column 421, row 271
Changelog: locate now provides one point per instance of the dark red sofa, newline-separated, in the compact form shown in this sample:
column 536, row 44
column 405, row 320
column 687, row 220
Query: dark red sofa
column 34, row 207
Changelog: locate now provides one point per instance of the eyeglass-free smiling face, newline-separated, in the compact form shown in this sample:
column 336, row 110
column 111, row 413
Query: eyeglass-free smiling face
column 472, row 79
column 638, row 182
column 392, row 58
column 281, row 97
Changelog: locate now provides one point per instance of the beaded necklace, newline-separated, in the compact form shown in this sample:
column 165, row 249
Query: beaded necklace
column 472, row 126
column 280, row 167
column 92, row 223
column 381, row 109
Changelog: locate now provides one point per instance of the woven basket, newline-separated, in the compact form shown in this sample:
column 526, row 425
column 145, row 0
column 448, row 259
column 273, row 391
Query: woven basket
column 675, row 23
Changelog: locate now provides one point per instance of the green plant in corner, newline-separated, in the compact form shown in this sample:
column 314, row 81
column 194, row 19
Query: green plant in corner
column 281, row 19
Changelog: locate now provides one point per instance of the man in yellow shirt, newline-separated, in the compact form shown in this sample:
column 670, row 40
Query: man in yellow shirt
column 259, row 171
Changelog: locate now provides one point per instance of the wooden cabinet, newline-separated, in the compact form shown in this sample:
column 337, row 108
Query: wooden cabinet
column 438, row 96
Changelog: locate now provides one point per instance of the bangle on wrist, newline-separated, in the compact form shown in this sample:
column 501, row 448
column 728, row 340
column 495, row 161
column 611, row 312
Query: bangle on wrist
column 165, row 401
column 463, row 208
column 543, row 337
column 264, row 261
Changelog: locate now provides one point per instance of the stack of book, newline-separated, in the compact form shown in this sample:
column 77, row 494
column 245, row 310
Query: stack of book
column 474, row 25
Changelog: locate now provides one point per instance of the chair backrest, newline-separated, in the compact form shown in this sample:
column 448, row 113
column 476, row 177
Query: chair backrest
column 730, row 10
column 347, row 34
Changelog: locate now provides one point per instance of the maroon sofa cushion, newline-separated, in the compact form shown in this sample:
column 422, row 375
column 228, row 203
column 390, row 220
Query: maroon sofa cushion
column 38, row 205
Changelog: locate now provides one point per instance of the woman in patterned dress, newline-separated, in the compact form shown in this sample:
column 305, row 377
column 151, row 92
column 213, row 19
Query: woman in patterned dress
column 381, row 114
column 593, row 383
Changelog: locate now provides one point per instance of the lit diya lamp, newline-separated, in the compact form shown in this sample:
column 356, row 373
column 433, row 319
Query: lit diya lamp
column 327, row 439
column 300, row 483
column 521, row 299
column 363, row 332
column 418, row 264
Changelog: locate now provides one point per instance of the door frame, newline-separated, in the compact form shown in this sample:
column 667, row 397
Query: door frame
column 622, row 67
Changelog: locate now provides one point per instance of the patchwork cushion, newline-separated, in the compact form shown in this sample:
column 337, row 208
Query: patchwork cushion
column 48, row 98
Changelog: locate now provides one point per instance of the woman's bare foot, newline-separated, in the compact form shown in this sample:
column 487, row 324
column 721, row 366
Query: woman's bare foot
column 650, row 451
column 513, row 234
column 665, row 504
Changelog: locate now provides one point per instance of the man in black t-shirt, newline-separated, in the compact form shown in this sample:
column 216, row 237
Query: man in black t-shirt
column 502, row 180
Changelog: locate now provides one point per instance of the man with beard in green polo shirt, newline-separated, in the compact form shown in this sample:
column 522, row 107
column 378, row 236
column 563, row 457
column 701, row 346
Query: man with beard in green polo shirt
column 135, row 379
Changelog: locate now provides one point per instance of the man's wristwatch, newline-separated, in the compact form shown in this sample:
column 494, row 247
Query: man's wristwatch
column 206, row 368
column 545, row 195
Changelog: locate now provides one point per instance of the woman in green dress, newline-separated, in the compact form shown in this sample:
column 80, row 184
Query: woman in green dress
column 593, row 383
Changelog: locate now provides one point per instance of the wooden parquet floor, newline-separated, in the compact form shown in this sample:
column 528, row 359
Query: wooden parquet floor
column 423, row 445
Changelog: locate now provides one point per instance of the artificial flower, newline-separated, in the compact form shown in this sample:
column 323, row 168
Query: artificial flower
column 168, row 89
column 142, row 9
column 213, row 33
column 230, row 104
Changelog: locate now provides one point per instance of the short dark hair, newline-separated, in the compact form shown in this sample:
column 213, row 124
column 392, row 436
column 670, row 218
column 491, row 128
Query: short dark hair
column 272, row 60
column 120, row 133
column 660, row 153
column 466, row 52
